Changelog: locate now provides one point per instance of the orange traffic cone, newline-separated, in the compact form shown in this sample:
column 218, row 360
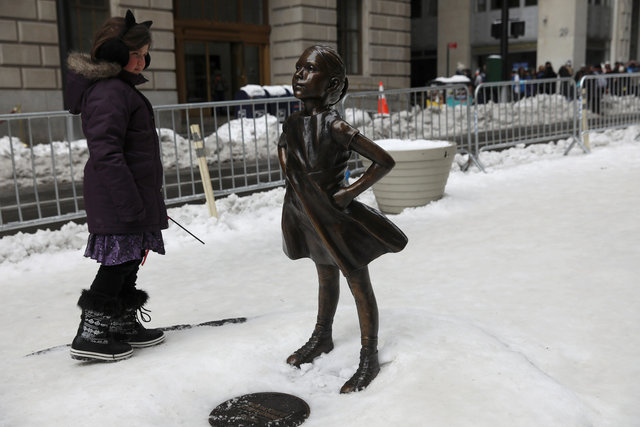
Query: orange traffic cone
column 383, row 108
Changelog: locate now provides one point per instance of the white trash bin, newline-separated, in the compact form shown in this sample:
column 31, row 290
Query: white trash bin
column 419, row 177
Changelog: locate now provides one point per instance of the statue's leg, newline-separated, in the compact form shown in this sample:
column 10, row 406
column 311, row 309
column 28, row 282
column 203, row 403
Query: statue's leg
column 328, row 295
column 360, row 285
column 366, row 304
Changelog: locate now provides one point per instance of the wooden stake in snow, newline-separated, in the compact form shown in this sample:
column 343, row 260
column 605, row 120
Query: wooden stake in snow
column 198, row 144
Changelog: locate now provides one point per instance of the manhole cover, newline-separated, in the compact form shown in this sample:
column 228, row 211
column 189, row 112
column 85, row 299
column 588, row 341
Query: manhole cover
column 260, row 409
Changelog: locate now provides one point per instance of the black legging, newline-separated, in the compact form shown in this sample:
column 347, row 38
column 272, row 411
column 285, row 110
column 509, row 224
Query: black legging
column 112, row 280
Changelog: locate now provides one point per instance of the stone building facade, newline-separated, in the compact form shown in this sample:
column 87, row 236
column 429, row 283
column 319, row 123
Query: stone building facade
column 33, row 31
column 386, row 39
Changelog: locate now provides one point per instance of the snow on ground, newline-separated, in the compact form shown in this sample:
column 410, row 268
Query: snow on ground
column 515, row 303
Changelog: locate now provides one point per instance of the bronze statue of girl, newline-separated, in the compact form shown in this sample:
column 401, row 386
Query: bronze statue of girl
column 320, row 218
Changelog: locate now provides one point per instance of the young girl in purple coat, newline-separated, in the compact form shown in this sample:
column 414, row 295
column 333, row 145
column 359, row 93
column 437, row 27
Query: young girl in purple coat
column 320, row 218
column 122, row 187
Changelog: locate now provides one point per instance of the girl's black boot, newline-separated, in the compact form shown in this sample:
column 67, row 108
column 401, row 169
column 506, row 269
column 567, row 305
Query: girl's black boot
column 127, row 327
column 93, row 340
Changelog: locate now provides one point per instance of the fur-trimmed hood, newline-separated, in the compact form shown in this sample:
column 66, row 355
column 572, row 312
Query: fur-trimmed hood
column 84, row 72
column 82, row 64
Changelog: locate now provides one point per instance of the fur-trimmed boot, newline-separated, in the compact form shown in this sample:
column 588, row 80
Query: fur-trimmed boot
column 320, row 342
column 93, row 340
column 127, row 327
column 368, row 368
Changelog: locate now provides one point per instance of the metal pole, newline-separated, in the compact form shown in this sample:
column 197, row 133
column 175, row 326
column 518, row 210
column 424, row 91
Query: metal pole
column 504, row 40
column 63, row 42
column 447, row 59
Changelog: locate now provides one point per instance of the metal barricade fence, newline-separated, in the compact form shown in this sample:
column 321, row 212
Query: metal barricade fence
column 524, row 112
column 434, row 113
column 42, row 155
column 240, row 138
column 41, row 169
column 608, row 101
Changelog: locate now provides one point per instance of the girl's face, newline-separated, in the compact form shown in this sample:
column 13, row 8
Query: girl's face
column 311, row 79
column 136, row 60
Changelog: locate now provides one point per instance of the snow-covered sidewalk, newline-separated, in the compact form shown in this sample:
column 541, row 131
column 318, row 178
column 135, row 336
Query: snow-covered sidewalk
column 515, row 303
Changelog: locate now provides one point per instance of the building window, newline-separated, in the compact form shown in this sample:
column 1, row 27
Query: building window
column 221, row 46
column 416, row 8
column 530, row 2
column 83, row 19
column 432, row 8
column 233, row 11
column 497, row 4
column 252, row 12
column 349, row 34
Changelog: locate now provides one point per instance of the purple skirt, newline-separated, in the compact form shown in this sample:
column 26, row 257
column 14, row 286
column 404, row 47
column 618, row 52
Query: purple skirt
column 114, row 249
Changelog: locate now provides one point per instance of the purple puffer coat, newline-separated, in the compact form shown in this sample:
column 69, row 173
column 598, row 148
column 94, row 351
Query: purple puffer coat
column 123, row 176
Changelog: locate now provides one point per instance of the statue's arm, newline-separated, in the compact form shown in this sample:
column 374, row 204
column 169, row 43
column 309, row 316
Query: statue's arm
column 282, row 152
column 381, row 164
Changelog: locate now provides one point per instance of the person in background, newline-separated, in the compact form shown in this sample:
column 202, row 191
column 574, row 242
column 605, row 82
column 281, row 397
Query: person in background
column 219, row 85
column 530, row 89
column 515, row 78
column 608, row 69
column 122, row 187
column 634, row 83
column 596, row 88
column 620, row 68
column 480, row 77
column 582, row 71
column 617, row 85
column 519, row 89
column 218, row 88
column 549, row 73
column 567, row 88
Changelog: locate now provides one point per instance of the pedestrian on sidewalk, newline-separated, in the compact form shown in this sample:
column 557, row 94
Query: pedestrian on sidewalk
column 122, row 187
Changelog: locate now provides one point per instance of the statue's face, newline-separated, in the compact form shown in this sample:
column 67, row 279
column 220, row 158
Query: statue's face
column 311, row 79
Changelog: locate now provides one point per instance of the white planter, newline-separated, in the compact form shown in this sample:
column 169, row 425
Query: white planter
column 419, row 177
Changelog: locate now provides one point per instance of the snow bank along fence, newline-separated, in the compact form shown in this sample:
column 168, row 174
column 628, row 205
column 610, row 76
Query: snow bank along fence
column 607, row 101
column 526, row 111
column 42, row 155
column 435, row 113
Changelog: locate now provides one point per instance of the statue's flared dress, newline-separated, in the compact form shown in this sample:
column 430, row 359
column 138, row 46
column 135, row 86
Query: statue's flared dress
column 313, row 226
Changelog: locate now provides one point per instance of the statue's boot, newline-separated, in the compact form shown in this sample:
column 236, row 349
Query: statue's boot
column 319, row 343
column 367, row 370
